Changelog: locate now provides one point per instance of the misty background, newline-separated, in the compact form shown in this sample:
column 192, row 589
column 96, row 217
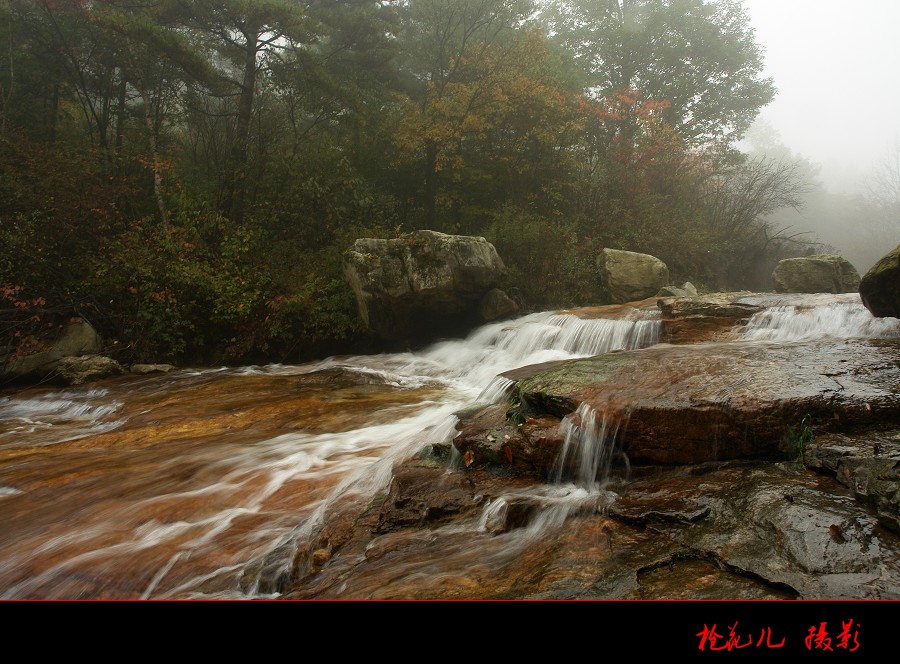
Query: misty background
column 837, row 111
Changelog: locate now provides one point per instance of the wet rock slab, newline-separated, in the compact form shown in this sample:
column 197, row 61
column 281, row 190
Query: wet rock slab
column 490, row 437
column 706, row 317
column 690, row 404
column 802, row 533
column 868, row 463
column 735, row 530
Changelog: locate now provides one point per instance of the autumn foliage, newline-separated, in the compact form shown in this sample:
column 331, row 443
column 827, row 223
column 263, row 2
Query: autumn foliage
column 186, row 175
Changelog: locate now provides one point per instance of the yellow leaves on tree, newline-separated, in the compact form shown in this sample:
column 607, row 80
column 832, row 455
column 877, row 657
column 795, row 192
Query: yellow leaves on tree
column 502, row 86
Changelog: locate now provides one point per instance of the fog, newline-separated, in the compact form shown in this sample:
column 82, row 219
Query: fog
column 838, row 107
column 835, row 66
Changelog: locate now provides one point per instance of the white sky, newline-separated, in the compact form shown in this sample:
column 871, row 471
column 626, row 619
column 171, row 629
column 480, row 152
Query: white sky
column 836, row 64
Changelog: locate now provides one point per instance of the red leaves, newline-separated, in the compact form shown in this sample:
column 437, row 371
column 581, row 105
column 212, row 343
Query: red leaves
column 12, row 294
column 25, row 330
column 30, row 345
column 164, row 295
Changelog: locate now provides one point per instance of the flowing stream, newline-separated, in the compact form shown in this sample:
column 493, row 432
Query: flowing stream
column 171, row 486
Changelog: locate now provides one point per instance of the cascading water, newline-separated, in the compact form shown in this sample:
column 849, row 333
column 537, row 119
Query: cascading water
column 588, row 448
column 56, row 416
column 470, row 368
column 175, row 486
column 579, row 477
column 841, row 316
column 147, row 483
column 471, row 364
column 581, row 471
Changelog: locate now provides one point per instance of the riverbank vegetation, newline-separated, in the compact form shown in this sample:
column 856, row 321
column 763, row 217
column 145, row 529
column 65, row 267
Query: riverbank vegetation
column 186, row 175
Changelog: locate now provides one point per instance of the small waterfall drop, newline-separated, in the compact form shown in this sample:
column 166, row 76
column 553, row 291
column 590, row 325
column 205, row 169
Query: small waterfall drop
column 588, row 448
column 472, row 365
column 845, row 318
column 475, row 362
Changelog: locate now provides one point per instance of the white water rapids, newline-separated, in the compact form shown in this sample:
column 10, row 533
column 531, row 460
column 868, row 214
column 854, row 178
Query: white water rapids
column 168, row 487
column 174, row 501
column 794, row 318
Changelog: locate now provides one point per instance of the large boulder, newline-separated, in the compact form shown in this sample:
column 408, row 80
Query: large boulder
column 86, row 368
column 76, row 338
column 880, row 288
column 815, row 274
column 421, row 285
column 630, row 276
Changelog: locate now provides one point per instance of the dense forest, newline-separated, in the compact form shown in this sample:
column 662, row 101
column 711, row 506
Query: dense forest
column 186, row 174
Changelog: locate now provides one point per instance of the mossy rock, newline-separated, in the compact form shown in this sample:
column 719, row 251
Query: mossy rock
column 880, row 288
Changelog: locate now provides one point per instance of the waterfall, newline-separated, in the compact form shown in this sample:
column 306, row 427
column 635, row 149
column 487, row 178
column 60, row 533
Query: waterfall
column 469, row 368
column 209, row 483
column 472, row 365
column 498, row 347
column 240, row 465
column 798, row 322
column 588, row 447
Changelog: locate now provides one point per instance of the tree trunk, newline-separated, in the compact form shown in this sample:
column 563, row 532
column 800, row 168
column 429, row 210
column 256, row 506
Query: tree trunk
column 430, row 184
column 237, row 184
column 120, row 122
column 156, row 163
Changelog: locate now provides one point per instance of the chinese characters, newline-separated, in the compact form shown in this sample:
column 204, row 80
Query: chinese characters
column 817, row 638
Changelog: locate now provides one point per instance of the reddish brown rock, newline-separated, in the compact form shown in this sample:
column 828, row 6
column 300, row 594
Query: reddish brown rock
column 490, row 437
column 712, row 317
column 689, row 404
